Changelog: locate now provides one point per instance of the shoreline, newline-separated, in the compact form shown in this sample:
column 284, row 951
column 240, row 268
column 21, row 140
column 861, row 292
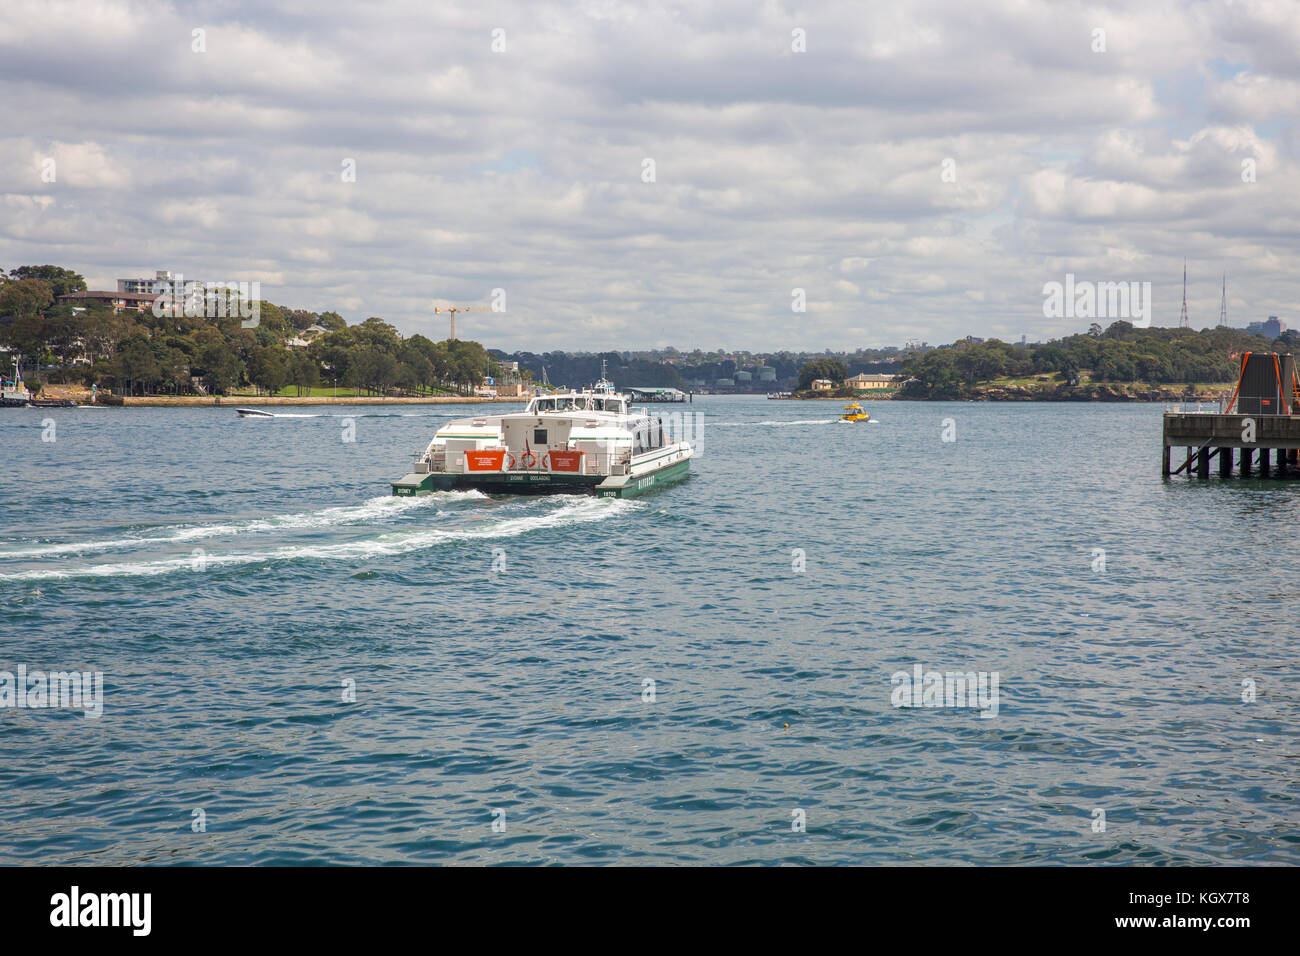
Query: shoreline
column 250, row 401
column 1087, row 394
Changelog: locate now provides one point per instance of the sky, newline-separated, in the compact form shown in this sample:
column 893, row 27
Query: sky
column 612, row 175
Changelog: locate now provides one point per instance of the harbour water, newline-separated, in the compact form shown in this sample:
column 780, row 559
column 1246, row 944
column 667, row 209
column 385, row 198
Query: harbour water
column 299, row 668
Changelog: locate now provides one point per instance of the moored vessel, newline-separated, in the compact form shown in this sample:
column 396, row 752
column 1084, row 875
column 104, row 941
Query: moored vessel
column 15, row 394
column 583, row 442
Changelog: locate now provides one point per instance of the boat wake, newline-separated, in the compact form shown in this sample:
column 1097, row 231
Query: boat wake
column 571, row 511
column 809, row 421
column 264, row 415
column 371, row 510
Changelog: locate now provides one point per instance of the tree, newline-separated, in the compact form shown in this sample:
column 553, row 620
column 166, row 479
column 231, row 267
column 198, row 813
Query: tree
column 935, row 375
column 26, row 297
column 268, row 368
column 62, row 281
column 219, row 367
column 300, row 318
column 136, row 365
column 417, row 363
column 304, row 371
column 821, row 368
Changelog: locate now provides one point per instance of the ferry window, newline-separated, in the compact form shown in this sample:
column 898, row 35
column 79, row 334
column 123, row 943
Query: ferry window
column 539, row 436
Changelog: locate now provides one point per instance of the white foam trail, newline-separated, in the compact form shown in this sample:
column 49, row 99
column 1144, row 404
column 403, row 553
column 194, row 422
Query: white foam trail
column 577, row 511
column 366, row 511
column 339, row 415
column 810, row 421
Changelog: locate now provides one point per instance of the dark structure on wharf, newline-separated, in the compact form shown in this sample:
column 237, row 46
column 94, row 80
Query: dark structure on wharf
column 1260, row 425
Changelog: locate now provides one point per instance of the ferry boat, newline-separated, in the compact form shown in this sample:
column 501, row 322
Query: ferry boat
column 584, row 442
column 15, row 394
column 854, row 413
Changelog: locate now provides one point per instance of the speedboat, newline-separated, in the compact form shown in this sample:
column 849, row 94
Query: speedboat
column 584, row 442
column 253, row 413
column 854, row 413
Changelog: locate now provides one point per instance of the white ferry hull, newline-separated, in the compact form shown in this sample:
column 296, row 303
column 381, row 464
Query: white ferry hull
column 671, row 468
column 587, row 442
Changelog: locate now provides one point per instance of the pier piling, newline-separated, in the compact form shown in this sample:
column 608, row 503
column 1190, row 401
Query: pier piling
column 1275, row 452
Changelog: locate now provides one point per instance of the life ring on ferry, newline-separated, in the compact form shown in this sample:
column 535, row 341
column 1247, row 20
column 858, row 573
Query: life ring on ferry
column 510, row 465
column 528, row 459
column 546, row 461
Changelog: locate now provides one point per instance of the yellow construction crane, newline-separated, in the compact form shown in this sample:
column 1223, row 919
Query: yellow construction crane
column 454, row 309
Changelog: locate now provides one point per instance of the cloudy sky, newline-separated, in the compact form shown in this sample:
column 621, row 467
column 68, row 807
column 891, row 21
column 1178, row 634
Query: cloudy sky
column 919, row 170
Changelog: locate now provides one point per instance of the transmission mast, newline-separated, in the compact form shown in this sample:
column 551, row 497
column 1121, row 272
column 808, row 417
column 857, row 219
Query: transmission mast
column 1223, row 304
column 1183, row 320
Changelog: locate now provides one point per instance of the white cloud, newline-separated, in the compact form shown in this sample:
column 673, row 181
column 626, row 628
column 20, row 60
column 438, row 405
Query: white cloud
column 774, row 169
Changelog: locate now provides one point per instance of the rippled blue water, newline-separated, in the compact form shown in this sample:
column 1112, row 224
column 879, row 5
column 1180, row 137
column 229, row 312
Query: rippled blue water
column 228, row 576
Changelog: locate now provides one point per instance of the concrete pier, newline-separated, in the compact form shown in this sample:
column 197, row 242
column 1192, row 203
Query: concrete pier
column 1198, row 438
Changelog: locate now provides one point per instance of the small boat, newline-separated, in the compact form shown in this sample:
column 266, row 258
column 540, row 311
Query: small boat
column 253, row 413
column 52, row 403
column 854, row 413
column 15, row 394
column 583, row 442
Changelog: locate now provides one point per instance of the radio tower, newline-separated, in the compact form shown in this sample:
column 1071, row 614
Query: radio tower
column 1223, row 305
column 1183, row 321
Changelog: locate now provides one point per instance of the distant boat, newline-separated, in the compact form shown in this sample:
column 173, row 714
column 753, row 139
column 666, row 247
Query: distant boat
column 15, row 394
column 52, row 403
column 854, row 413
column 253, row 413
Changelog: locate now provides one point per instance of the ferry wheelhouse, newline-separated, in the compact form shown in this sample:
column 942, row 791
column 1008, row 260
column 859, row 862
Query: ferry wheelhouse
column 586, row 442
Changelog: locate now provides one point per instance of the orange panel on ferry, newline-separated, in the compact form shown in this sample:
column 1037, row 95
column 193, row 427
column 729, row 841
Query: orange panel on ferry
column 484, row 460
column 566, row 460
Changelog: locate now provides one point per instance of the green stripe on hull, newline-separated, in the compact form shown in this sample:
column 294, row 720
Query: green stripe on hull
column 504, row 483
column 656, row 479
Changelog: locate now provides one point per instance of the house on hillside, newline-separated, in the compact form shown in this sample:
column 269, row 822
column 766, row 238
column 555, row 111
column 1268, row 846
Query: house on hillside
column 869, row 383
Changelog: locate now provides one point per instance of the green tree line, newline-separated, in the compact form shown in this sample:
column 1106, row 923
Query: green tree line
column 1120, row 353
column 138, row 353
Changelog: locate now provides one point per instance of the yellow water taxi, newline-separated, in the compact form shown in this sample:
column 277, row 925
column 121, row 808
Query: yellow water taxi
column 854, row 413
